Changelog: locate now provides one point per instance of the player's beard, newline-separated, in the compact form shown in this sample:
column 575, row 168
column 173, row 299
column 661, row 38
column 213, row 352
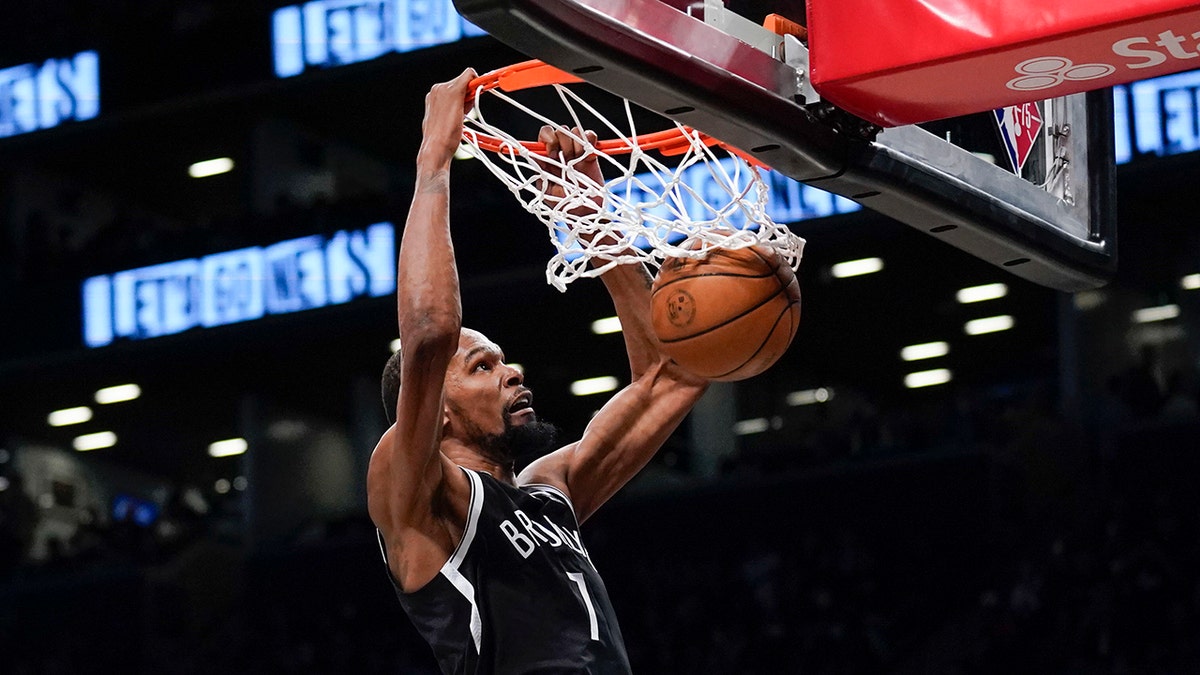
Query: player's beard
column 524, row 441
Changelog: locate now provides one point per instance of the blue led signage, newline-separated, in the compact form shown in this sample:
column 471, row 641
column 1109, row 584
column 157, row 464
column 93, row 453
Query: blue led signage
column 238, row 286
column 1165, row 116
column 37, row 96
column 328, row 33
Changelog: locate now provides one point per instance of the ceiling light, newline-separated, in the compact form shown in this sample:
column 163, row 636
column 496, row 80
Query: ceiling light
column 1190, row 283
column 210, row 167
column 593, row 385
column 100, row 439
column 606, row 325
column 981, row 293
column 66, row 416
column 1086, row 300
column 287, row 430
column 227, row 448
column 118, row 393
column 751, row 426
column 394, row 345
column 991, row 324
column 854, row 268
column 927, row 378
column 810, row 396
column 926, row 350
column 1161, row 313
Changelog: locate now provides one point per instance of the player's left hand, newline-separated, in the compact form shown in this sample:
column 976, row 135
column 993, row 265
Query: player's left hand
column 568, row 147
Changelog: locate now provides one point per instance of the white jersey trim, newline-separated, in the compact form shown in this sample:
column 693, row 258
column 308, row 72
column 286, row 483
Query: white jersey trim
column 450, row 569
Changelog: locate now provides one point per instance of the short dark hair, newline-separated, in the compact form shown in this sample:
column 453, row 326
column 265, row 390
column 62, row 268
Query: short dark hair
column 391, row 386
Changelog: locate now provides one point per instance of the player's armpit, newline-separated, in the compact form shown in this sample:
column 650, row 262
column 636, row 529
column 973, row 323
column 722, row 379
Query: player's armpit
column 411, row 485
column 421, row 521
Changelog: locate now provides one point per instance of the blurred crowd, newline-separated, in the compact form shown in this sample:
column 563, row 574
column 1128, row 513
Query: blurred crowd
column 1007, row 553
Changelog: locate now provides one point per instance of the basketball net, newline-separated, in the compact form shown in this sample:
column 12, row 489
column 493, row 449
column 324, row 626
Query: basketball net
column 647, row 210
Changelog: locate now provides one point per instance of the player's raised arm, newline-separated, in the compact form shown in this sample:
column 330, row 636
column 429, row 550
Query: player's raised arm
column 407, row 470
column 634, row 424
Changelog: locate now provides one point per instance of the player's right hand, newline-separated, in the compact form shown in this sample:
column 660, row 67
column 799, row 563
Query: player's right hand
column 442, row 128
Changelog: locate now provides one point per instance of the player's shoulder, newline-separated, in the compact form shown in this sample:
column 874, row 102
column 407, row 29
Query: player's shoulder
column 549, row 471
column 397, row 502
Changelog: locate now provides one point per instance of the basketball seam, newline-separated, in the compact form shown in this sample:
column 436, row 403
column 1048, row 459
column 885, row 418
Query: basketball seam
column 716, row 274
column 761, row 344
column 731, row 319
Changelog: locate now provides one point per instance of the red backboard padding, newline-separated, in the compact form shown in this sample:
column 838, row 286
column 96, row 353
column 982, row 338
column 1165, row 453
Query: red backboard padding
column 906, row 61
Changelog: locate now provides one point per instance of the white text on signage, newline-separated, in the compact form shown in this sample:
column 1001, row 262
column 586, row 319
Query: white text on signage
column 37, row 96
column 328, row 33
column 241, row 285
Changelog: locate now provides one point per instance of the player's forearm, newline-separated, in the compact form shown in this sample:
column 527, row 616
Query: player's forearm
column 428, row 294
column 427, row 297
column 622, row 438
column 629, row 287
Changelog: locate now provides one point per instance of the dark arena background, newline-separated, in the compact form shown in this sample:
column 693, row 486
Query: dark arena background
column 183, row 446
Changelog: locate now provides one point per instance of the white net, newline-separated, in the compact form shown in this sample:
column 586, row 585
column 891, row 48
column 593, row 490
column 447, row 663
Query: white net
column 647, row 210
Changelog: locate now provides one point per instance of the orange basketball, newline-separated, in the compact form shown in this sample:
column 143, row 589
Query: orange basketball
column 727, row 316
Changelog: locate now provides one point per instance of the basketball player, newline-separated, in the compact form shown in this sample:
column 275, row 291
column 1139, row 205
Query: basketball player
column 490, row 565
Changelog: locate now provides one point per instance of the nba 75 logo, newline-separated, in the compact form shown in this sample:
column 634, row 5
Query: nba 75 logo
column 1047, row 72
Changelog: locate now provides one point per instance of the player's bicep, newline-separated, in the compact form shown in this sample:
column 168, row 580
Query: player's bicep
column 619, row 440
column 411, row 466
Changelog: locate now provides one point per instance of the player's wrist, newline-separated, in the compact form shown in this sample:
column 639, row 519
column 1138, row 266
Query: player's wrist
column 433, row 160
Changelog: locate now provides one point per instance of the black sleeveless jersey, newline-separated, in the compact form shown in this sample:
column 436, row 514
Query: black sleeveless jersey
column 519, row 594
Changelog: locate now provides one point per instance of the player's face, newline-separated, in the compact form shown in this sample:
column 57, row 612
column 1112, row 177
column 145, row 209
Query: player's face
column 485, row 396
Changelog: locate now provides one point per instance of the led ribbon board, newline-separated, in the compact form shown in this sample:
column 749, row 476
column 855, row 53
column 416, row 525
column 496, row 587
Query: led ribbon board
column 241, row 285
column 36, row 96
column 328, row 33
column 1165, row 116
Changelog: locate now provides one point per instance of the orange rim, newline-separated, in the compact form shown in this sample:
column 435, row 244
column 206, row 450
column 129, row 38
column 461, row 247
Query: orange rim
column 529, row 74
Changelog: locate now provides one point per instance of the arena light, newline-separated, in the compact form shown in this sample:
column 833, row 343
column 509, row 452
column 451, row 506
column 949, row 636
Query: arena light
column 991, row 324
column 210, row 167
column 68, row 416
column 96, row 441
column 1190, row 283
column 981, row 293
column 925, row 350
column 854, row 268
column 810, row 396
column 751, row 426
column 1160, row 313
column 118, row 393
column 1088, row 300
column 927, row 378
column 593, row 385
column 606, row 325
column 227, row 448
